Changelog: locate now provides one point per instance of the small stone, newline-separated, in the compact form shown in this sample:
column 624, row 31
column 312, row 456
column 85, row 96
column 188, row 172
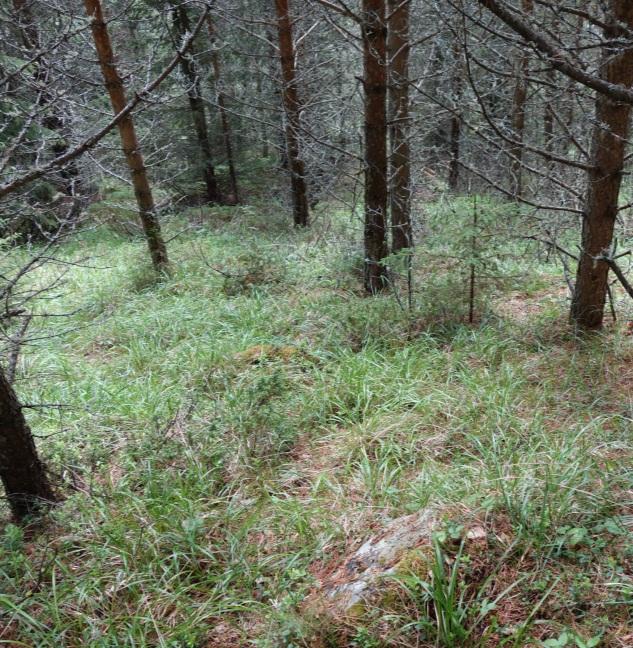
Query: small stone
column 476, row 533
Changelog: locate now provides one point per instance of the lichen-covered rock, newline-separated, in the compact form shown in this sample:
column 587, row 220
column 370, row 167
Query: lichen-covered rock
column 360, row 577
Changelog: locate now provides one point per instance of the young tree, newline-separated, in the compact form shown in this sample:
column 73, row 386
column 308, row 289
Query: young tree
column 398, row 47
column 374, row 35
column 131, row 148
column 23, row 476
column 292, row 107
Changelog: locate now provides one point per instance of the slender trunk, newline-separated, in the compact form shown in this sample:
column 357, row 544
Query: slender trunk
column 375, row 85
column 473, row 265
column 518, row 128
column 605, row 176
column 196, row 103
column 400, row 156
column 548, row 113
column 224, row 117
column 454, row 146
column 131, row 148
column 21, row 471
column 456, row 119
column 292, row 108
column 340, row 76
column 280, row 133
column 519, row 100
column 260, row 95
column 571, row 86
column 549, row 120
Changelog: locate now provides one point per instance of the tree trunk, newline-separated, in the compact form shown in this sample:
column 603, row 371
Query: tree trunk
column 456, row 119
column 224, row 117
column 605, row 176
column 196, row 103
column 131, row 149
column 400, row 163
column 292, row 108
column 375, row 85
column 262, row 115
column 519, row 100
column 548, row 112
column 571, row 89
column 21, row 471
column 343, row 117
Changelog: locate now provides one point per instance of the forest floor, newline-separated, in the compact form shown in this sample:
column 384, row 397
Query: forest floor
column 232, row 432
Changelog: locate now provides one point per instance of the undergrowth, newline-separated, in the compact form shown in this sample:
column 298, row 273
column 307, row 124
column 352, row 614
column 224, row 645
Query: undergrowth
column 226, row 432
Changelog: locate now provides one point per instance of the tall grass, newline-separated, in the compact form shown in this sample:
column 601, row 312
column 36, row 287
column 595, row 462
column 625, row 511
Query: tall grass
column 221, row 440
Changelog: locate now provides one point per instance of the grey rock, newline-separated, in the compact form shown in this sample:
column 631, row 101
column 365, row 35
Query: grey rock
column 358, row 578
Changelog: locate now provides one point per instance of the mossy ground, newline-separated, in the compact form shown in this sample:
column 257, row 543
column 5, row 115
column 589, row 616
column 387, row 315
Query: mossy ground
column 230, row 430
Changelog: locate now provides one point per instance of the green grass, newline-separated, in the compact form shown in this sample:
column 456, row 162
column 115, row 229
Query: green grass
column 226, row 435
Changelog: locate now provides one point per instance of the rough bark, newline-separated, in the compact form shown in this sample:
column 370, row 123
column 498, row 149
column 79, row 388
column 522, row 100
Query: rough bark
column 26, row 485
column 519, row 100
column 605, row 176
column 196, row 104
column 375, row 85
column 224, row 116
column 131, row 148
column 292, row 108
column 398, row 47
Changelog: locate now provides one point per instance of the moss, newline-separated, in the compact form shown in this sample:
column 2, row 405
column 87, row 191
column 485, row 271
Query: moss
column 261, row 352
column 417, row 561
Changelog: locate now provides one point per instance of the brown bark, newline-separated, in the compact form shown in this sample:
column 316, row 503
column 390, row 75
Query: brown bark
column 23, row 476
column 375, row 85
column 398, row 47
column 605, row 176
column 292, row 108
column 131, row 149
column 196, row 104
column 519, row 100
column 224, row 117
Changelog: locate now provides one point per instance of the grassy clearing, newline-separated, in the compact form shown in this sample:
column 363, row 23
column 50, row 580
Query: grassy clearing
column 236, row 428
